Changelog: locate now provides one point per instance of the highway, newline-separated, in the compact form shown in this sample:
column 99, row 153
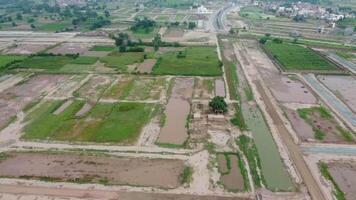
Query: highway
column 218, row 19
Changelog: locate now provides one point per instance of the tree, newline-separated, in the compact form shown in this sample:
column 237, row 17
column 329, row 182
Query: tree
column 157, row 42
column 107, row 13
column 33, row 26
column 263, row 40
column 191, row 25
column 19, row 16
column 218, row 105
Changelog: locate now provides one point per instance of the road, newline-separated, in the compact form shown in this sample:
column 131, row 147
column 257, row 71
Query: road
column 37, row 192
column 295, row 153
column 218, row 18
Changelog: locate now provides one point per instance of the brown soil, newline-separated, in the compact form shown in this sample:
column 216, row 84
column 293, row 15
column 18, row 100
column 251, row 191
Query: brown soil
column 220, row 88
column 222, row 163
column 71, row 48
column 173, row 32
column 66, row 193
column 26, row 49
column 63, row 107
column 234, row 179
column 14, row 99
column 286, row 90
column 93, row 169
column 86, row 108
column 146, row 66
column 304, row 130
column 93, row 89
column 344, row 173
column 177, row 110
column 202, row 90
column 343, row 87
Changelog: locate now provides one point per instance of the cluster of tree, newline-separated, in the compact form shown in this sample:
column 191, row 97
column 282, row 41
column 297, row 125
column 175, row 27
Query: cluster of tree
column 267, row 37
column 218, row 105
column 144, row 23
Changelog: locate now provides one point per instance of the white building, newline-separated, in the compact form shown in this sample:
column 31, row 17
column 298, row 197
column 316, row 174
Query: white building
column 202, row 10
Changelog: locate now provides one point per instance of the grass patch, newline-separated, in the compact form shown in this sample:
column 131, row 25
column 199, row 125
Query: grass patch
column 248, row 147
column 121, row 60
column 116, row 123
column 347, row 135
column 197, row 61
column 6, row 61
column 45, row 62
column 296, row 57
column 52, row 27
column 306, row 112
column 186, row 176
column 248, row 93
column 102, row 48
column 324, row 169
column 239, row 119
column 318, row 134
column 85, row 60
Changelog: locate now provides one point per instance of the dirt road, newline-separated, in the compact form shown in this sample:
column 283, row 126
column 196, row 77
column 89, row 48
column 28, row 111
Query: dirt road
column 23, row 192
column 294, row 151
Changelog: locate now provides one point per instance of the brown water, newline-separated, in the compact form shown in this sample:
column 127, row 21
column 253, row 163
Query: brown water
column 177, row 110
column 219, row 88
column 234, row 179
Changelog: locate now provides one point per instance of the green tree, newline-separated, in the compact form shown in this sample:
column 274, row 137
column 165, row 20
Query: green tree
column 218, row 105
column 157, row 41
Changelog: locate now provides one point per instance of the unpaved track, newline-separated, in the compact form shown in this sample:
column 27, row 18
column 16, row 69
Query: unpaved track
column 23, row 191
column 294, row 151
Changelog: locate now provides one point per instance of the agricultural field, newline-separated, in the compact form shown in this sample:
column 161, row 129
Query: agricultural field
column 296, row 57
column 91, row 168
column 104, row 122
column 121, row 61
column 6, row 60
column 193, row 61
column 324, row 126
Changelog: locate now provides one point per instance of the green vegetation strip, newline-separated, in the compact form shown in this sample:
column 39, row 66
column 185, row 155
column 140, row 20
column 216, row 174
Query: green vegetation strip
column 247, row 146
column 324, row 169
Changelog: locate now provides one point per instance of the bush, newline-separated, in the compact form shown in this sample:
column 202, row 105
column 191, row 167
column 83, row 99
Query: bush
column 263, row 40
column 218, row 105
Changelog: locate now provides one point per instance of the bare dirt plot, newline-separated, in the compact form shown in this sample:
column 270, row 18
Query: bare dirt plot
column 92, row 169
column 27, row 48
column 219, row 88
column 71, row 48
column 233, row 180
column 94, row 87
column 14, row 99
column 203, row 88
column 286, row 90
column 174, row 32
column 303, row 129
column 146, row 88
column 344, row 87
column 175, row 131
column 68, row 87
column 146, row 66
column 98, row 54
column 325, row 127
column 344, row 173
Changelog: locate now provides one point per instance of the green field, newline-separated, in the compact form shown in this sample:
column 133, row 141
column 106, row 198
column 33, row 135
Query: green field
column 53, row 62
column 121, row 60
column 254, row 12
column 198, row 61
column 52, row 27
column 102, row 48
column 296, row 57
column 143, row 34
column 114, row 123
column 5, row 60
column 347, row 22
